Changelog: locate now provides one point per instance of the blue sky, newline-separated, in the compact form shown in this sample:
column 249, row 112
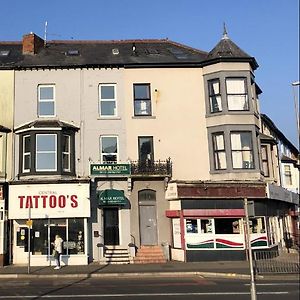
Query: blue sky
column 265, row 29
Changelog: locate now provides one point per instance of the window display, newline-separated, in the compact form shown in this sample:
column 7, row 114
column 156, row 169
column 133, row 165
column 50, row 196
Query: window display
column 71, row 231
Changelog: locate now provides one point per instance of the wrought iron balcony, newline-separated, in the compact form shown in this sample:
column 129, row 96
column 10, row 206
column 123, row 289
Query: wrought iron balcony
column 157, row 168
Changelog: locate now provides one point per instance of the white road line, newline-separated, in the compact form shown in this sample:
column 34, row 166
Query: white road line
column 141, row 295
column 275, row 284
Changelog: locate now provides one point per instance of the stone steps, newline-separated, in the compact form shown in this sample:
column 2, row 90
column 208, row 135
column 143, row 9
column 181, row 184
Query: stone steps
column 116, row 255
column 149, row 255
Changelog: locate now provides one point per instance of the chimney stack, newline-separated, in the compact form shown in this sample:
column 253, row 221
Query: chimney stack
column 32, row 43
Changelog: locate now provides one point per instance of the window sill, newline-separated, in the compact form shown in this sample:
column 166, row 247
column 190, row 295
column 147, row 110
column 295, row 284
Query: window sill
column 144, row 117
column 109, row 118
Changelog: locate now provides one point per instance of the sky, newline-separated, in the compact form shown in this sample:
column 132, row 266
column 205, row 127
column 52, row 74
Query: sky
column 265, row 29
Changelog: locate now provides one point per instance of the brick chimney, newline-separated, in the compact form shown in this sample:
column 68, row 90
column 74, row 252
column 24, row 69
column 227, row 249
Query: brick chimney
column 32, row 43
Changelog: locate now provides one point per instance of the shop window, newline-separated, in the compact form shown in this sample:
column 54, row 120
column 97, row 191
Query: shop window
column 46, row 100
column 191, row 226
column 257, row 225
column 107, row 100
column 241, row 150
column 219, row 151
column 214, row 95
column 237, row 98
column 43, row 234
column 142, row 99
column 75, row 236
column 227, row 226
column 206, row 225
column 109, row 149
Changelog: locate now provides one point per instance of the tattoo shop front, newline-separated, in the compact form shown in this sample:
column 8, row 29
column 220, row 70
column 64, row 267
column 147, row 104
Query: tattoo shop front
column 38, row 212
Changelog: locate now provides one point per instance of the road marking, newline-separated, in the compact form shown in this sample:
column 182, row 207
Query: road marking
column 275, row 284
column 141, row 295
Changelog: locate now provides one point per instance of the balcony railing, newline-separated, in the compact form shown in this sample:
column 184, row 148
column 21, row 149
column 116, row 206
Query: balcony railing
column 152, row 168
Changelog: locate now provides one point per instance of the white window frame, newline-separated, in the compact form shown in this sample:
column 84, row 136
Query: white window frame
column 113, row 153
column 214, row 95
column 26, row 154
column 241, row 94
column 218, row 151
column 114, row 85
column 237, row 149
column 68, row 154
column 46, row 100
column 36, row 153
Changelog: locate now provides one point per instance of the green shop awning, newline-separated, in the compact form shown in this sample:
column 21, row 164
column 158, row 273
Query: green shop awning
column 111, row 197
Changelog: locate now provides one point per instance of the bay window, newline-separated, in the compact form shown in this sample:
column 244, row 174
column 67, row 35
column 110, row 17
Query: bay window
column 47, row 153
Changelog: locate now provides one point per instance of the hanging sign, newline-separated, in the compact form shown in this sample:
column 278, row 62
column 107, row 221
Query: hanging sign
column 111, row 197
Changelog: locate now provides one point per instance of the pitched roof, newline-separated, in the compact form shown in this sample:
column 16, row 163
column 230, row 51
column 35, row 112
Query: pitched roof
column 279, row 135
column 38, row 124
column 227, row 50
column 122, row 53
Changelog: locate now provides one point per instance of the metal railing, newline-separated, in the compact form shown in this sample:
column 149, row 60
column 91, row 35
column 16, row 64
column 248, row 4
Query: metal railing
column 152, row 168
column 271, row 261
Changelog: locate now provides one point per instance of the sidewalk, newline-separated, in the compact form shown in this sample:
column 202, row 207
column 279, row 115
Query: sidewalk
column 215, row 269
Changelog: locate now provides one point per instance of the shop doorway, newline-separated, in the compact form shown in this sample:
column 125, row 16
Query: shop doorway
column 148, row 220
column 111, row 226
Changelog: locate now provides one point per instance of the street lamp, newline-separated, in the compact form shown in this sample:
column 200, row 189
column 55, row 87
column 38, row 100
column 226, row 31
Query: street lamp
column 296, row 106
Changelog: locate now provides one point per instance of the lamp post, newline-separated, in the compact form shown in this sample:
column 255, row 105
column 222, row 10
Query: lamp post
column 296, row 106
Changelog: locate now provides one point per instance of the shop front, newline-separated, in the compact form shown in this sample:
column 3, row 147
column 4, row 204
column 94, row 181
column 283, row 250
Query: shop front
column 208, row 221
column 38, row 212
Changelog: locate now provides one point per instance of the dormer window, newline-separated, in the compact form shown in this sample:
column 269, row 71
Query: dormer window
column 46, row 101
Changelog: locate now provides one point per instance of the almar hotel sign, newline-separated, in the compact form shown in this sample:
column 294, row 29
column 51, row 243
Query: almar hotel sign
column 110, row 169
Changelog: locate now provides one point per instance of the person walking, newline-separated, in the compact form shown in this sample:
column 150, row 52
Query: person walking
column 57, row 250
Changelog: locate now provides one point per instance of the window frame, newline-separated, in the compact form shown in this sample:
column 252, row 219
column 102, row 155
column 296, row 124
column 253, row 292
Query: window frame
column 103, row 100
column 147, row 160
column 288, row 180
column 47, row 100
column 111, row 153
column 210, row 83
column 68, row 154
column 26, row 154
column 217, row 151
column 147, row 100
column 265, row 160
column 245, row 94
column 251, row 150
column 45, row 152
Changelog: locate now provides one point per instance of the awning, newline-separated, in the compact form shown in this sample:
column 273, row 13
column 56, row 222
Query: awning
column 111, row 197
